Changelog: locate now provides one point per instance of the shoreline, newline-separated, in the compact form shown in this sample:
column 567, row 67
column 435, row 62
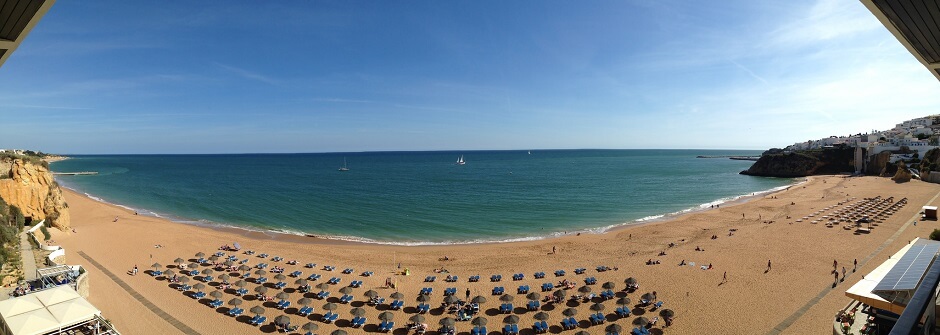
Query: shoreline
column 611, row 228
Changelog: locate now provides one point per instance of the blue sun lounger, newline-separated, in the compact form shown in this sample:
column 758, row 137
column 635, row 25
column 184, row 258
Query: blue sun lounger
column 333, row 281
column 156, row 273
column 199, row 295
column 427, row 291
column 369, row 274
column 590, row 280
column 518, row 276
column 559, row 273
column 347, row 271
column 533, row 305
column 283, row 304
column 569, row 323
column 512, row 329
column 241, row 291
column 235, row 311
column 450, row 291
column 355, row 283
column 323, row 295
column 623, row 311
column 346, row 298
column 304, row 311
column 257, row 320
column 539, row 275
column 396, row 305
column 523, row 289
column 310, row 265
column 296, row 274
column 386, row 326
column 540, row 327
column 498, row 290
column 597, row 319
column 358, row 321
column 313, row 276
column 329, row 267
column 579, row 271
column 478, row 331
column 657, row 305
column 329, row 317
column 548, row 287
column 423, row 308
column 505, row 308
column 429, row 279
column 496, row 278
column 474, row 279
column 215, row 303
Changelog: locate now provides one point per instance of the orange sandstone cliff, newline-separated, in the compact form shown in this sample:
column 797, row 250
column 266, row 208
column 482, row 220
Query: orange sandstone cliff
column 29, row 185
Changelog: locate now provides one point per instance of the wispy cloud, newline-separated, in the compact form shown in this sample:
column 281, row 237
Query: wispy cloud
column 742, row 67
column 247, row 74
column 826, row 20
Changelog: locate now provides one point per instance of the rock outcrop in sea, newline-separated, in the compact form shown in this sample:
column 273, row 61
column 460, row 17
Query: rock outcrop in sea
column 29, row 185
column 790, row 164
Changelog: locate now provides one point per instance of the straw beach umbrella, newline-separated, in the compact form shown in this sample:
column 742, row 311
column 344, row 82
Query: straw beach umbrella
column 280, row 276
column 597, row 307
column 630, row 281
column 371, row 294
column 241, row 283
column 283, row 295
column 512, row 319
column 569, row 312
column 329, row 306
column 199, row 287
column 156, row 266
column 213, row 258
column 169, row 273
column 282, row 320
column 641, row 321
column 533, row 296
column 358, row 311
column 235, row 302
column 648, row 296
column 451, row 299
column 584, row 289
column 613, row 328
column 207, row 272
column 310, row 326
column 582, row 333
column 448, row 322
column 179, row 261
column 559, row 294
column 257, row 310
column 541, row 316
column 244, row 270
column 623, row 301
column 261, row 289
column 305, row 301
column 417, row 318
column 224, row 278
column 423, row 298
column 184, row 280
column 386, row 316
column 478, row 299
column 339, row 332
column 228, row 263
column 345, row 290
column 300, row 282
column 397, row 296
column 323, row 286
column 506, row 298
column 200, row 254
column 609, row 285
column 193, row 266
column 667, row 313
column 479, row 321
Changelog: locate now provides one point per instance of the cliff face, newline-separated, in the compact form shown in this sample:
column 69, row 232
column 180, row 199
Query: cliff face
column 803, row 163
column 32, row 188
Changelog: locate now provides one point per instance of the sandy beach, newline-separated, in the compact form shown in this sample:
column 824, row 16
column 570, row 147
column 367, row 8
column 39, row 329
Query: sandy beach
column 754, row 300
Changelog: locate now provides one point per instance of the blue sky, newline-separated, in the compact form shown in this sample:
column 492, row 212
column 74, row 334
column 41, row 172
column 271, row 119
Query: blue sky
column 323, row 76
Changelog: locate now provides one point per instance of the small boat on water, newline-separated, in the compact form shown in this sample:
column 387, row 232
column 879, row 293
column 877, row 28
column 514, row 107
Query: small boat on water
column 344, row 168
column 460, row 160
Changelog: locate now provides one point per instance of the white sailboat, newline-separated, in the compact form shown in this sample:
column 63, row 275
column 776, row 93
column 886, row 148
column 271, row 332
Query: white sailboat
column 344, row 168
column 460, row 160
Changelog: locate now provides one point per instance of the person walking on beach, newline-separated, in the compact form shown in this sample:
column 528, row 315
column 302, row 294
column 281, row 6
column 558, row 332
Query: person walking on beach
column 856, row 265
column 468, row 294
column 724, row 277
column 768, row 265
column 843, row 273
column 835, row 265
column 135, row 269
column 553, row 250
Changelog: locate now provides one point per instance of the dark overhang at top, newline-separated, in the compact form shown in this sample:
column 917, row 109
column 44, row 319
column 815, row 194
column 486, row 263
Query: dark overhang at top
column 916, row 24
column 17, row 18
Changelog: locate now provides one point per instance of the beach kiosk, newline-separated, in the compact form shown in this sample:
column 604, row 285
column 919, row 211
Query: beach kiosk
column 58, row 310
column 930, row 212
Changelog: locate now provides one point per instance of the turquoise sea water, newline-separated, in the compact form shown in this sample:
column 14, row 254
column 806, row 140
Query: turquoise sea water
column 419, row 197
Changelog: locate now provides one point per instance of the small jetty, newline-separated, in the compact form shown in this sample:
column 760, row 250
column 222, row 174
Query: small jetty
column 82, row 173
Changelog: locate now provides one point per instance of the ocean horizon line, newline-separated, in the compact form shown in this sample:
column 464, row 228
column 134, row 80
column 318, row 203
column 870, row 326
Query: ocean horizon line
column 389, row 151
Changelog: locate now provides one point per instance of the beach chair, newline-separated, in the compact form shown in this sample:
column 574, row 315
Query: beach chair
column 590, row 281
column 280, row 285
column 498, row 290
column 517, row 277
column 450, row 278
column 333, row 281
column 547, row 287
column 559, row 273
column 386, row 326
column 207, row 279
column 396, row 305
column 329, row 317
column 184, row 287
column 304, row 311
column 607, row 295
column 423, row 308
column 277, row 259
column 193, row 273
column 323, row 295
column 241, row 291
column 623, row 311
column 657, row 305
column 283, row 304
column 533, row 305
column 310, row 265
column 429, row 279
column 355, row 283
column 313, row 277
column 474, row 279
column 329, row 267
column 496, row 278
column 478, row 331
column 263, row 255
column 523, row 289
column 261, row 280
column 427, row 290
column 346, row 298
column 358, row 321
column 369, row 274
column 199, row 295
column 450, row 291
column 506, row 308
column 156, row 273
column 235, row 312
column 347, row 271
column 215, row 303
column 539, row 275
column 579, row 271
column 258, row 320
column 296, row 274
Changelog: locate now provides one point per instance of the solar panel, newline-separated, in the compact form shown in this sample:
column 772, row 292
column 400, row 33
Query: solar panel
column 907, row 272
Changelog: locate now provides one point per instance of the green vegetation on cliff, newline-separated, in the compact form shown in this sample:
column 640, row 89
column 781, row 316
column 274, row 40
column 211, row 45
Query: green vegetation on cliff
column 789, row 164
